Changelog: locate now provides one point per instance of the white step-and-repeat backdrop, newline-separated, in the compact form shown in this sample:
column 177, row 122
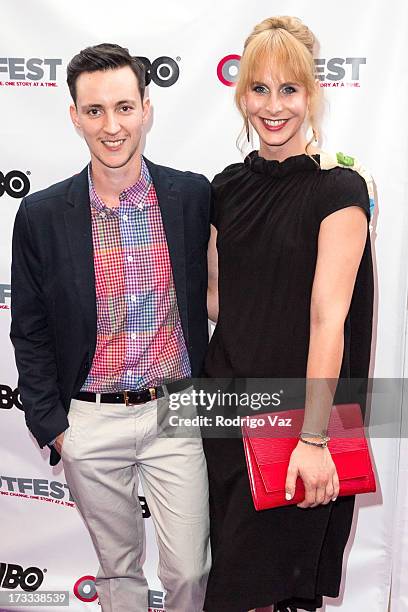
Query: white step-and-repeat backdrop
column 193, row 49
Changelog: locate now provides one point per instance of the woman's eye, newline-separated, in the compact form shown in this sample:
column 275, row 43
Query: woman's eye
column 260, row 89
column 288, row 89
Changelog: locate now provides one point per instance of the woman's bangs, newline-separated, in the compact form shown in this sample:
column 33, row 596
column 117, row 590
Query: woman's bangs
column 281, row 58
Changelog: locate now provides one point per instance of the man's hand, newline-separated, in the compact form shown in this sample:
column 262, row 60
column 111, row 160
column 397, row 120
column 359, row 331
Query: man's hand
column 58, row 442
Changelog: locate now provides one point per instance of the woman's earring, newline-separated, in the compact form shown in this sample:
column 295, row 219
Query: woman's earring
column 247, row 130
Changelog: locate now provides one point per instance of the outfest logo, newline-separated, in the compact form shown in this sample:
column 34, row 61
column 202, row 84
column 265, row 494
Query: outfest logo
column 5, row 297
column 29, row 72
column 331, row 72
column 50, row 491
column 339, row 71
column 40, row 489
column 85, row 590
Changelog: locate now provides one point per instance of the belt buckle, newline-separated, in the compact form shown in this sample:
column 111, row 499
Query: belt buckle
column 152, row 393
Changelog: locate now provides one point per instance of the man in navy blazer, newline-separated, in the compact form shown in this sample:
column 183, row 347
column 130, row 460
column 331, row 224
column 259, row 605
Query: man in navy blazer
column 109, row 277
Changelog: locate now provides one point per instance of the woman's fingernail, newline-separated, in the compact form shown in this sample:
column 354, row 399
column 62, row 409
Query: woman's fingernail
column 288, row 496
column 334, row 498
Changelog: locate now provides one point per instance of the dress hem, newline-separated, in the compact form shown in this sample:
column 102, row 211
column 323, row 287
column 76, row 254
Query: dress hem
column 283, row 598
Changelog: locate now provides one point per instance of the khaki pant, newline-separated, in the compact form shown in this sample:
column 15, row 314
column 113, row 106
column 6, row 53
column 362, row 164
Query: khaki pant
column 106, row 449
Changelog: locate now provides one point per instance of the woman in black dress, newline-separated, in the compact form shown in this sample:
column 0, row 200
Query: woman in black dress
column 295, row 290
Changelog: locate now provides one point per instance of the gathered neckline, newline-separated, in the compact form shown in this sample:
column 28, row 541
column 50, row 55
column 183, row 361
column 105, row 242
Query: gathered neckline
column 272, row 167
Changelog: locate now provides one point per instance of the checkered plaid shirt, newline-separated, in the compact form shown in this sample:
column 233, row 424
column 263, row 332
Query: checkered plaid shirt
column 140, row 341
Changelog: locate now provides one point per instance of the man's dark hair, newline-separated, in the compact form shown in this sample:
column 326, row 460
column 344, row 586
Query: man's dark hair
column 106, row 56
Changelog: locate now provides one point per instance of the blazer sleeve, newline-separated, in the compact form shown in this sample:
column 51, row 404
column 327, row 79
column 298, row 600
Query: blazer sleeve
column 32, row 338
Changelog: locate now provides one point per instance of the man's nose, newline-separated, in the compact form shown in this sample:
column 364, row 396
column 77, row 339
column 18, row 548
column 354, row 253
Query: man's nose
column 111, row 125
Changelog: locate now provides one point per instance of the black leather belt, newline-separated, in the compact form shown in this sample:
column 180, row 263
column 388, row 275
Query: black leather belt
column 132, row 398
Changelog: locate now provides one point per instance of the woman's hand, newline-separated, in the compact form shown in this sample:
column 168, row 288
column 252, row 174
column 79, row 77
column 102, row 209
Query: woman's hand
column 212, row 293
column 316, row 468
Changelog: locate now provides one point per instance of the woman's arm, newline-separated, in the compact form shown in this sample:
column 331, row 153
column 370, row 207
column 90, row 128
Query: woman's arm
column 212, row 292
column 341, row 242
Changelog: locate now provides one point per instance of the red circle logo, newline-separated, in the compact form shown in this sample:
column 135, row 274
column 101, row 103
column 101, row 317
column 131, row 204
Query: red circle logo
column 227, row 69
column 85, row 589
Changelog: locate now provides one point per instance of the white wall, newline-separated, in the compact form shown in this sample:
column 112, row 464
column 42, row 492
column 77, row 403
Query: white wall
column 194, row 126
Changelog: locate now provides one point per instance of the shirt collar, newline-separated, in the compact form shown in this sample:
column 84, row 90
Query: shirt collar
column 135, row 195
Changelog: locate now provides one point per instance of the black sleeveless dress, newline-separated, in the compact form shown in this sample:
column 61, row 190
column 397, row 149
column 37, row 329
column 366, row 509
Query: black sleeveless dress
column 268, row 215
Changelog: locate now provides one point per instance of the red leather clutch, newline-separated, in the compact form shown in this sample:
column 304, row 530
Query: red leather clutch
column 268, row 451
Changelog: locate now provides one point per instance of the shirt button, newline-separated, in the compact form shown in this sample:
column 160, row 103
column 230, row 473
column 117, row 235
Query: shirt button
column 133, row 336
column 103, row 215
column 125, row 217
column 133, row 298
column 130, row 258
column 129, row 372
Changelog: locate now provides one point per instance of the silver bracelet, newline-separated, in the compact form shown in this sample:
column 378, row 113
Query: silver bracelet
column 322, row 444
column 319, row 444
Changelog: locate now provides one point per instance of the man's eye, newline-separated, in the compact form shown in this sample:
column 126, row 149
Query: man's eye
column 94, row 112
column 126, row 108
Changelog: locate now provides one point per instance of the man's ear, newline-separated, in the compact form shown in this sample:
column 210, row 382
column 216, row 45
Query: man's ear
column 146, row 109
column 74, row 116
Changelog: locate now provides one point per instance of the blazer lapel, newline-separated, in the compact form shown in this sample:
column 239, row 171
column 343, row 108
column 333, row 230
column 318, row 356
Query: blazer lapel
column 79, row 231
column 171, row 208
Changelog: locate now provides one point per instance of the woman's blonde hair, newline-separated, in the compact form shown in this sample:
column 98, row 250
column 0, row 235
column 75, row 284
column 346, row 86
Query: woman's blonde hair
column 287, row 44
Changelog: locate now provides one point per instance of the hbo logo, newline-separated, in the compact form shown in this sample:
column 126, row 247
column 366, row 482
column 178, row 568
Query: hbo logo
column 164, row 71
column 13, row 576
column 14, row 183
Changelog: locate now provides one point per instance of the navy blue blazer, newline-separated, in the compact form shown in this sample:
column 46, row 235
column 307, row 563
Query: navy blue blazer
column 53, row 304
